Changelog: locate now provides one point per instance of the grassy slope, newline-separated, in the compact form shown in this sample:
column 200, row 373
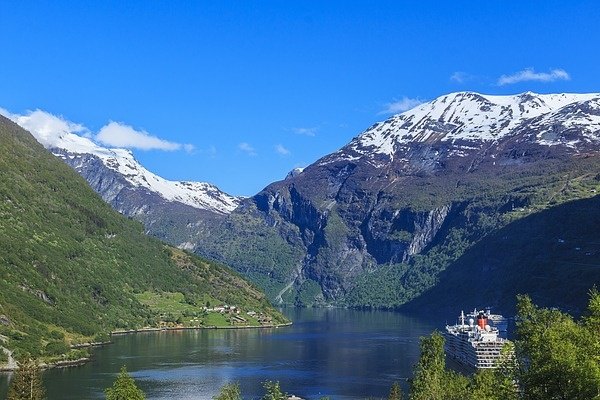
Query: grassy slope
column 71, row 267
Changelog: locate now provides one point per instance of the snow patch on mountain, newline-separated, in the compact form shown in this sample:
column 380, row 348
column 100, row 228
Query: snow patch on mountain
column 295, row 172
column 580, row 117
column 461, row 118
column 62, row 138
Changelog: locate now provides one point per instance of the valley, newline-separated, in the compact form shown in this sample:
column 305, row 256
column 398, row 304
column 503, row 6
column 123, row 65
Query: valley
column 299, row 200
column 377, row 223
column 73, row 270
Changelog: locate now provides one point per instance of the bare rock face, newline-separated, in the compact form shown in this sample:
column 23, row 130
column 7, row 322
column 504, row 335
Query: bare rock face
column 427, row 183
column 386, row 213
column 170, row 220
column 173, row 211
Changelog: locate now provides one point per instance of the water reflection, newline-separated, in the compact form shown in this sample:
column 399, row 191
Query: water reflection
column 327, row 352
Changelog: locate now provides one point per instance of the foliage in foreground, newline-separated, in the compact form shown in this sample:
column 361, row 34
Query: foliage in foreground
column 395, row 392
column 27, row 383
column 124, row 388
column 556, row 358
column 273, row 391
column 559, row 358
column 230, row 391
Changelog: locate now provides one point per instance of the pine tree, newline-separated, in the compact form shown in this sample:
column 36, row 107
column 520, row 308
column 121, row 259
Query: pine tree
column 27, row 383
column 273, row 391
column 124, row 388
column 395, row 392
column 230, row 391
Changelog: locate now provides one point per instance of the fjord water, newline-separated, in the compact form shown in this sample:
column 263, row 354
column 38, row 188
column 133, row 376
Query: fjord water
column 327, row 352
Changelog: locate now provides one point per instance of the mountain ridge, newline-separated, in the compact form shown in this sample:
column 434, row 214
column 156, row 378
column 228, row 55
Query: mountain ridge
column 414, row 196
column 72, row 269
column 461, row 116
column 76, row 149
column 400, row 202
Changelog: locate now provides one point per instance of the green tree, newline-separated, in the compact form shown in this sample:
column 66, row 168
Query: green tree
column 592, row 319
column 487, row 384
column 481, row 386
column 505, row 374
column 230, row 391
column 431, row 379
column 558, row 357
column 124, row 388
column 395, row 392
column 456, row 386
column 428, row 381
column 27, row 383
column 273, row 391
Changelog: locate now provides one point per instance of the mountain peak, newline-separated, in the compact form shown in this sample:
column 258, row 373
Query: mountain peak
column 69, row 141
column 294, row 172
column 463, row 117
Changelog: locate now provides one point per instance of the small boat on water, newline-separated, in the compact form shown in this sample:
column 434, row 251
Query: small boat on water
column 474, row 342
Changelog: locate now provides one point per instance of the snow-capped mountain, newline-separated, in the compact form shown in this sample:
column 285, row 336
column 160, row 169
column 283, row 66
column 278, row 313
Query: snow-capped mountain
column 199, row 195
column 465, row 121
column 294, row 172
column 79, row 152
column 377, row 221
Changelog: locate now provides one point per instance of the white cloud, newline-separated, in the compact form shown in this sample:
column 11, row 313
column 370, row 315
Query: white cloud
column 116, row 134
column 50, row 129
column 460, row 77
column 529, row 74
column 247, row 148
column 305, row 131
column 47, row 128
column 398, row 106
column 281, row 150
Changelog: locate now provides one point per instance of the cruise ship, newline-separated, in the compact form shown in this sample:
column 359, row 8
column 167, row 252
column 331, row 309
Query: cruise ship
column 494, row 320
column 474, row 343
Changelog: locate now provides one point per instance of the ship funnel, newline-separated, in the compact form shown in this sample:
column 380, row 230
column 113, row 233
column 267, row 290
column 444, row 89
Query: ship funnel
column 482, row 320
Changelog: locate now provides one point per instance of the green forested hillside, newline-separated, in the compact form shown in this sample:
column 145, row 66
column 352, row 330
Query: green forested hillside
column 477, row 209
column 552, row 255
column 538, row 239
column 72, row 269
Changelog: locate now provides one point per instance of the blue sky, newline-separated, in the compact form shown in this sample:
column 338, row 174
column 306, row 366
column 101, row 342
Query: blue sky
column 240, row 92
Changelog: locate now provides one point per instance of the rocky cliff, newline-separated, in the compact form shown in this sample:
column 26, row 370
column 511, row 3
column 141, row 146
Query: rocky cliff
column 375, row 223
column 171, row 210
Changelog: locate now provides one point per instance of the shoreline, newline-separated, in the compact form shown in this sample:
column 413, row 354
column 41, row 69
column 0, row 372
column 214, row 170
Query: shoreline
column 51, row 365
column 84, row 360
column 66, row 363
column 194, row 328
